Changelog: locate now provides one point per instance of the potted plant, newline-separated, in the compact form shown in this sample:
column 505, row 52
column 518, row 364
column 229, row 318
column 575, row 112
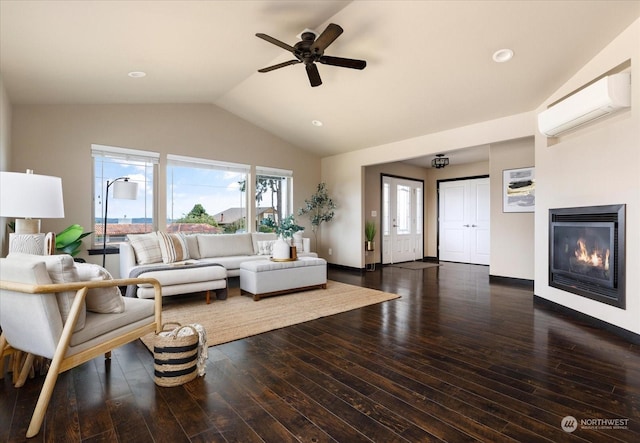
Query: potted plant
column 69, row 241
column 282, row 249
column 320, row 208
column 370, row 234
column 288, row 227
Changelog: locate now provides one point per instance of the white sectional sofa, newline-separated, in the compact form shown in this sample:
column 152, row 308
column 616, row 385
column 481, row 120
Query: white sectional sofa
column 179, row 261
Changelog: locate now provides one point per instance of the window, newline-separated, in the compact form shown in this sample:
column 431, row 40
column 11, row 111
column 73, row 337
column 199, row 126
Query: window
column 273, row 194
column 386, row 209
column 125, row 216
column 403, row 210
column 206, row 195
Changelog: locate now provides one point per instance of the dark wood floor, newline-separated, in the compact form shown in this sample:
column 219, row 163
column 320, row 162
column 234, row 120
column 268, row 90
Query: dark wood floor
column 455, row 359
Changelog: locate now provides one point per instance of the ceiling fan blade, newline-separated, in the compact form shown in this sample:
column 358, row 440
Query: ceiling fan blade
column 326, row 38
column 279, row 65
column 276, row 42
column 343, row 62
column 313, row 74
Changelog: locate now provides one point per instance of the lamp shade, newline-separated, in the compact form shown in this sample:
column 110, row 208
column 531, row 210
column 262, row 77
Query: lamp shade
column 125, row 190
column 30, row 195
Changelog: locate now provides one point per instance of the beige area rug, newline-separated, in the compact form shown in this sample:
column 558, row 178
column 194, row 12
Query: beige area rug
column 415, row 265
column 239, row 316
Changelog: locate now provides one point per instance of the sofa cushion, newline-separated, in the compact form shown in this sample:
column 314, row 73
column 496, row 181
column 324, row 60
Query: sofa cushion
column 184, row 275
column 173, row 247
column 146, row 247
column 100, row 300
column 261, row 236
column 61, row 269
column 224, row 245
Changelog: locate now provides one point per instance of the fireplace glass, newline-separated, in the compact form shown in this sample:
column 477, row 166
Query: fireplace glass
column 586, row 252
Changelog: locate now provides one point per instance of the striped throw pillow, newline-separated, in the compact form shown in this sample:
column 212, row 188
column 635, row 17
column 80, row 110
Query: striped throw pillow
column 173, row 247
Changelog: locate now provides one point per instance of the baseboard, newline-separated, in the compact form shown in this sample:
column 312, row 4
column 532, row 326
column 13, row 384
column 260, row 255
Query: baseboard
column 431, row 259
column 511, row 281
column 585, row 318
column 344, row 268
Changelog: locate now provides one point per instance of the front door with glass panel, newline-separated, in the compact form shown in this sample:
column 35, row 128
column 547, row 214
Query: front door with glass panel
column 402, row 230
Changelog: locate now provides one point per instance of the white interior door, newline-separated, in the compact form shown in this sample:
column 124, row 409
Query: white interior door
column 402, row 220
column 464, row 221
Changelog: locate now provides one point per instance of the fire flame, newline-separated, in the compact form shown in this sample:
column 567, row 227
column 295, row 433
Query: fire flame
column 595, row 258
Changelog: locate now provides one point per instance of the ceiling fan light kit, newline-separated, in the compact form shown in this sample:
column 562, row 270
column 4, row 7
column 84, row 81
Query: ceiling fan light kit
column 310, row 50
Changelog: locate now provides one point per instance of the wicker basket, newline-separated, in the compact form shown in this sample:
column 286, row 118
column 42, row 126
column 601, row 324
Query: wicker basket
column 175, row 357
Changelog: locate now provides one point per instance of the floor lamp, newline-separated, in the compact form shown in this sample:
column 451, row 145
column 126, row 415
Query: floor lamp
column 122, row 189
column 28, row 197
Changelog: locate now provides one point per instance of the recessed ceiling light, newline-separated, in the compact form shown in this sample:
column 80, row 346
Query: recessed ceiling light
column 502, row 55
column 137, row 74
column 316, row 123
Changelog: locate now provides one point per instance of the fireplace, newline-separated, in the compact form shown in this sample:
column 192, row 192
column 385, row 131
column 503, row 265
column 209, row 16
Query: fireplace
column 587, row 252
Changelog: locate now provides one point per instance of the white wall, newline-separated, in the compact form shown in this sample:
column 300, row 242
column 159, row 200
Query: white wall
column 512, row 234
column 373, row 183
column 345, row 177
column 56, row 140
column 5, row 150
column 595, row 165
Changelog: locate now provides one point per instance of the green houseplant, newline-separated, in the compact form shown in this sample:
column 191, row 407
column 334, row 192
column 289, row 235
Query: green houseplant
column 320, row 208
column 286, row 229
column 283, row 249
column 369, row 234
column 69, row 241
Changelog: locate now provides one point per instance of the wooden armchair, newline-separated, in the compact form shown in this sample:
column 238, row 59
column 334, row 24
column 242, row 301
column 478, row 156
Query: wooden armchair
column 32, row 319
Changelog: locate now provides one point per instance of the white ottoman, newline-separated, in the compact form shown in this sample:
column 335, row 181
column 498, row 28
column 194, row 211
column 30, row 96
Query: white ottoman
column 263, row 278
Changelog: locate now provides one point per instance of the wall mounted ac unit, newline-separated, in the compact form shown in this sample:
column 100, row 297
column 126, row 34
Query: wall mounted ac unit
column 607, row 95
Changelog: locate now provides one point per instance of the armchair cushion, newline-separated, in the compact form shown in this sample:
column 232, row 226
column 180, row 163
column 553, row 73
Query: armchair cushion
column 98, row 325
column 146, row 247
column 100, row 300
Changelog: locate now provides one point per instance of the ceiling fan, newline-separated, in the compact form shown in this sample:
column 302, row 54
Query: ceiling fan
column 310, row 50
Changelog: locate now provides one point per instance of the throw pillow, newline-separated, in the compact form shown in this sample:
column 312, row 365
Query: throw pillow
column 265, row 247
column 192, row 245
column 61, row 269
column 261, row 236
column 297, row 242
column 146, row 247
column 173, row 247
column 100, row 300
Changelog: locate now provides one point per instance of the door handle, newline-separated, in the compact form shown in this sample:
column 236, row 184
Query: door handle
column 474, row 226
column 466, row 226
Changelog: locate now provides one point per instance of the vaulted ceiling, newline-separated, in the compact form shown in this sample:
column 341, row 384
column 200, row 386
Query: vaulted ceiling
column 429, row 63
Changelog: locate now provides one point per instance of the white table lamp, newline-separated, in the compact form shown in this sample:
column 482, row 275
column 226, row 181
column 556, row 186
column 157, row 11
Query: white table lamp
column 29, row 197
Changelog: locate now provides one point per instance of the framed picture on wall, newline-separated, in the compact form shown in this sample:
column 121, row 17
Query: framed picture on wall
column 519, row 190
